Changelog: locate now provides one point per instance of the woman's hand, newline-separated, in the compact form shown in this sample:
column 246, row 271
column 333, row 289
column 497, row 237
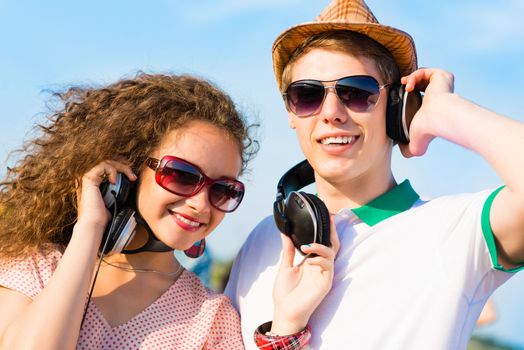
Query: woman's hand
column 436, row 85
column 298, row 290
column 91, row 208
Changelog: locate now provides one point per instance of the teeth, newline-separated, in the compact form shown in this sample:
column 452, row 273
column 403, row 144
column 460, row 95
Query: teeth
column 337, row 140
column 187, row 221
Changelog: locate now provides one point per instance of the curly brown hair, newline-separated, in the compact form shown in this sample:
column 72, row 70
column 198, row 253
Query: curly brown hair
column 123, row 121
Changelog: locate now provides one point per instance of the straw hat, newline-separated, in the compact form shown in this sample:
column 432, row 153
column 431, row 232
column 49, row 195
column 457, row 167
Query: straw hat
column 353, row 15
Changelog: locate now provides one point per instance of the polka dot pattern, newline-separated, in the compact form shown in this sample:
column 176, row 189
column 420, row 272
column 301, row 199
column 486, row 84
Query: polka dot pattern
column 186, row 316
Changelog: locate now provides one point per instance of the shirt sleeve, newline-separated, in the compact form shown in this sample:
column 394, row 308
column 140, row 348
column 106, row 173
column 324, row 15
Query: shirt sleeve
column 463, row 245
column 490, row 237
column 30, row 274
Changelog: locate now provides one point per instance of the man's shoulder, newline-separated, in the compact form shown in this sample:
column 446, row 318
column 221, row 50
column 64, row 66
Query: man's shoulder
column 259, row 254
column 263, row 245
column 265, row 232
column 457, row 198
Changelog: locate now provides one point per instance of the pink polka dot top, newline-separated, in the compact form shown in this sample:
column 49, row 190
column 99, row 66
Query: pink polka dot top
column 186, row 316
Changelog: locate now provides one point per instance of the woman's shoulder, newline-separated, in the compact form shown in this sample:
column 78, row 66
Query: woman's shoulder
column 42, row 258
column 28, row 274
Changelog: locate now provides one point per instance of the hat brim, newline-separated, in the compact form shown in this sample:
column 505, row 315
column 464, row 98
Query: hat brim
column 399, row 43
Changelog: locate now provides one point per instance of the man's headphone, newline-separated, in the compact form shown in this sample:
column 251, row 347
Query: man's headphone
column 301, row 216
column 120, row 199
column 401, row 109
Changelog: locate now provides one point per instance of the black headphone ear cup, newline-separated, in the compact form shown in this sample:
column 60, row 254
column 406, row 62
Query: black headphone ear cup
column 301, row 219
column 411, row 103
column 301, row 216
column 322, row 217
column 120, row 231
column 394, row 114
column 125, row 189
column 401, row 109
column 280, row 217
column 116, row 193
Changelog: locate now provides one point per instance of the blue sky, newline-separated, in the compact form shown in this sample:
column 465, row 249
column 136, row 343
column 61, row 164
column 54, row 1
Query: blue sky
column 50, row 45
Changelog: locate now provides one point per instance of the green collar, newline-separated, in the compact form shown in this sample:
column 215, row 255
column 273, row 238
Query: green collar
column 395, row 201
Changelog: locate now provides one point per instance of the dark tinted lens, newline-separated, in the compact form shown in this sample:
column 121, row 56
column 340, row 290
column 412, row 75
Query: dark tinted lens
column 304, row 98
column 226, row 195
column 179, row 177
column 358, row 93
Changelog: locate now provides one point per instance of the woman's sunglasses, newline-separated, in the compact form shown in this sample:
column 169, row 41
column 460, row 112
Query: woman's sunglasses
column 359, row 93
column 182, row 178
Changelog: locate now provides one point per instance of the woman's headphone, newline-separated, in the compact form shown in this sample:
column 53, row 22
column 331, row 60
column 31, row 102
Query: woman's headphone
column 120, row 199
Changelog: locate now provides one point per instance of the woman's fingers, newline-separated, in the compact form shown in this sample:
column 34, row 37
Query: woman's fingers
column 91, row 207
column 323, row 263
column 107, row 171
column 118, row 167
column 325, row 251
column 323, row 256
column 320, row 250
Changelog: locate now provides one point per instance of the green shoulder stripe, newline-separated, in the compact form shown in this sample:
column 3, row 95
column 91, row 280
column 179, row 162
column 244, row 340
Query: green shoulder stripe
column 488, row 233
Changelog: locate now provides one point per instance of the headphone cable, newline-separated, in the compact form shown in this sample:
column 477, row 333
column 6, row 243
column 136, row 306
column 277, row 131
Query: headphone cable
column 100, row 260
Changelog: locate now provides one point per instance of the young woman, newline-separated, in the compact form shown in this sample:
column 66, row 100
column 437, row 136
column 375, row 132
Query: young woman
column 182, row 145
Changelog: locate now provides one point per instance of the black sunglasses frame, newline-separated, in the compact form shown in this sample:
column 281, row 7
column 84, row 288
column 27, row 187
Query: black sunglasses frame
column 320, row 84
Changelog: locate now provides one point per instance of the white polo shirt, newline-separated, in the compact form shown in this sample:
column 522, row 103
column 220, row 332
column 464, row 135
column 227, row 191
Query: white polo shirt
column 410, row 274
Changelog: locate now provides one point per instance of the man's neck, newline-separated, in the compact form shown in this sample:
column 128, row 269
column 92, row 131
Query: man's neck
column 354, row 193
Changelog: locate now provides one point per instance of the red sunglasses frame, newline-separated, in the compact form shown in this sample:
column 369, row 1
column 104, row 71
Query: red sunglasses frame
column 155, row 165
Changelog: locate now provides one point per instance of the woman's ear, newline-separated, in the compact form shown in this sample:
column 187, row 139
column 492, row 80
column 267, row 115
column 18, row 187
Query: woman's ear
column 291, row 120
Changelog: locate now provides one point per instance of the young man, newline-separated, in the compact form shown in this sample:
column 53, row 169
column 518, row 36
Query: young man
column 410, row 274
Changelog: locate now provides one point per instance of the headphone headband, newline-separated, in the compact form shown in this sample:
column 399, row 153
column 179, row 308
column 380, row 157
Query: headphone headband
column 296, row 178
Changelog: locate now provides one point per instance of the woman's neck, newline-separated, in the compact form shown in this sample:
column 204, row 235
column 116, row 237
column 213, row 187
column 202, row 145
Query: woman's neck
column 155, row 261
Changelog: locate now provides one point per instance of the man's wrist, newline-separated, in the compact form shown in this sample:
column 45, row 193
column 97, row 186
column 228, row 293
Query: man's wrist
column 283, row 326
column 266, row 340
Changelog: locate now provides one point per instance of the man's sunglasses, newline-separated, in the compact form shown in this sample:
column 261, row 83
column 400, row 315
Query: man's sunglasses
column 182, row 178
column 359, row 93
